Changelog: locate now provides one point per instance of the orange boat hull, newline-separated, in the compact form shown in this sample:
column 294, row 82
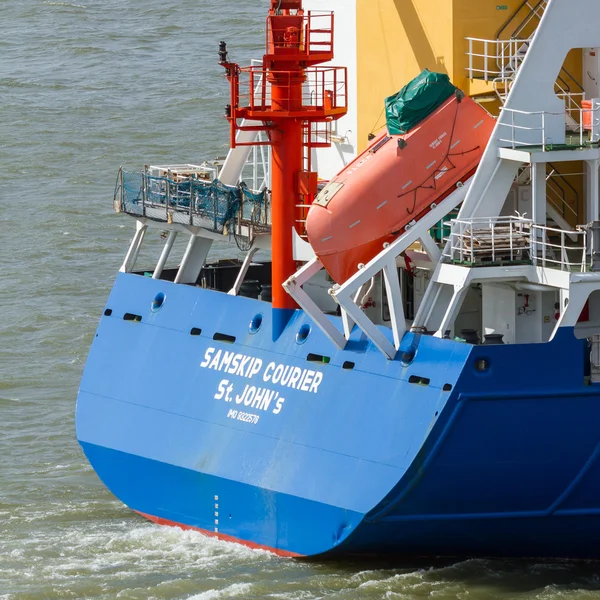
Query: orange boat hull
column 394, row 183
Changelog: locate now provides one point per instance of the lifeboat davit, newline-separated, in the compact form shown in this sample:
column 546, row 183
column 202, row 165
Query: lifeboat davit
column 394, row 183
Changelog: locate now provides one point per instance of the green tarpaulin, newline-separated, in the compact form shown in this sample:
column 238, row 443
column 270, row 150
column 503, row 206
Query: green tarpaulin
column 416, row 100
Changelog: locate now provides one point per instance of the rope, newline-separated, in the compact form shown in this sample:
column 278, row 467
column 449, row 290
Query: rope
column 439, row 169
column 377, row 122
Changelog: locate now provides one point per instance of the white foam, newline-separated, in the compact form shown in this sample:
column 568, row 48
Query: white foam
column 235, row 589
column 67, row 4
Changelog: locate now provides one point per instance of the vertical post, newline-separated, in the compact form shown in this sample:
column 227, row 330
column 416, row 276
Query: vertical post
column 164, row 255
column 214, row 194
column 144, row 189
column 470, row 59
column 191, row 200
column 543, row 132
column 595, row 230
column 584, row 253
column 469, row 228
column 134, row 247
column 485, row 60
column 512, row 120
column 254, row 168
column 394, row 295
column 538, row 192
column 544, row 250
column 119, row 202
column 460, row 291
column 590, row 241
column 592, row 191
column 242, row 272
column 168, row 194
column 493, row 229
column 266, row 166
column 193, row 259
column 538, row 203
column 286, row 151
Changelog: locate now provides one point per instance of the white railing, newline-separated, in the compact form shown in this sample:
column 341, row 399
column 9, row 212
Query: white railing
column 573, row 103
column 557, row 254
column 493, row 59
column 499, row 60
column 536, row 134
column 489, row 241
column 256, row 172
column 484, row 240
column 187, row 197
column 531, row 128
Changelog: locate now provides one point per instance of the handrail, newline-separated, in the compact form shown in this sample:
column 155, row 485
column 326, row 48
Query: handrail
column 565, row 86
column 508, row 21
column 534, row 13
column 544, row 141
column 184, row 198
column 499, row 58
column 564, row 179
column 542, row 129
column 572, row 78
column 559, row 201
column 552, row 182
column 486, row 241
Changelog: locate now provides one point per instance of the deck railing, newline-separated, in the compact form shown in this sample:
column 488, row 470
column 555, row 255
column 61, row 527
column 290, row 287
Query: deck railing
column 493, row 241
column 490, row 59
column 189, row 199
column 532, row 128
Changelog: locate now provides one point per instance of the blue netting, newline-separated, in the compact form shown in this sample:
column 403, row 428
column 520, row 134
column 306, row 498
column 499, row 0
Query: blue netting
column 219, row 205
column 253, row 202
column 132, row 193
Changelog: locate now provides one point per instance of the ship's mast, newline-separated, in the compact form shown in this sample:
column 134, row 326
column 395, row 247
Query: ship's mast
column 289, row 95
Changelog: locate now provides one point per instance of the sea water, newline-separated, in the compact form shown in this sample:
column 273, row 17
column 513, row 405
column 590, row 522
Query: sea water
column 86, row 87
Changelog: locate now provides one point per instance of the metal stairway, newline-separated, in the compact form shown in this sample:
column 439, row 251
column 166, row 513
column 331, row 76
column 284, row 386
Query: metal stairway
column 499, row 63
column 562, row 197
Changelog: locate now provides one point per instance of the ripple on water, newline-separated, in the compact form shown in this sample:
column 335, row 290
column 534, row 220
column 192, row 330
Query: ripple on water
column 91, row 86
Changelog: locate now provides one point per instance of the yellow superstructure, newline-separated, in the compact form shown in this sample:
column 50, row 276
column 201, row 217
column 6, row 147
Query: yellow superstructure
column 397, row 39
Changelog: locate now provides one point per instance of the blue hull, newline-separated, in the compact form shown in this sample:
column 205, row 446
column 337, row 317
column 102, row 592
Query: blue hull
column 191, row 416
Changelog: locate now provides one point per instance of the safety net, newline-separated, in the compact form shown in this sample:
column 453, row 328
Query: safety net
column 209, row 204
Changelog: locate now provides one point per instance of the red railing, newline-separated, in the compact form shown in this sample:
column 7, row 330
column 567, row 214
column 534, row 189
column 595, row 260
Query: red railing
column 324, row 92
column 300, row 37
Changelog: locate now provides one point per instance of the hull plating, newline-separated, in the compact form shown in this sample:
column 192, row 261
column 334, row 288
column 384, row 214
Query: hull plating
column 353, row 453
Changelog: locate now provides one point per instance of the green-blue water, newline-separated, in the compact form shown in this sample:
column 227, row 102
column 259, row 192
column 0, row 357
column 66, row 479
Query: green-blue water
column 84, row 88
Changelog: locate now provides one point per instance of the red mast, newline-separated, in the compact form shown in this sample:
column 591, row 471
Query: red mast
column 296, row 102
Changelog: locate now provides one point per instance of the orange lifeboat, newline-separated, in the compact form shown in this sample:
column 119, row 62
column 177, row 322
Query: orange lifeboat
column 394, row 183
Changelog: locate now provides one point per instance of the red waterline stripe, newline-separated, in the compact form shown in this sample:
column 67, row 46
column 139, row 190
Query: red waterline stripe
column 220, row 536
